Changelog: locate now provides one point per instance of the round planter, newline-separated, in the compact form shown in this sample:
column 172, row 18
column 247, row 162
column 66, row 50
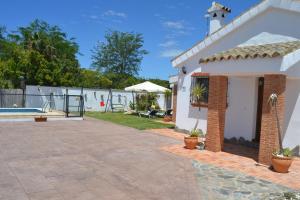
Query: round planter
column 40, row 119
column 167, row 118
column 281, row 164
column 190, row 142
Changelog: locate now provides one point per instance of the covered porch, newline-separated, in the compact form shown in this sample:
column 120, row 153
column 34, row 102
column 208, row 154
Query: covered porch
column 241, row 81
column 238, row 108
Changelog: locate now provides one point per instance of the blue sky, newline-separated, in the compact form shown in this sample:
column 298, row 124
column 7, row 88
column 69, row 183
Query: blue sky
column 168, row 26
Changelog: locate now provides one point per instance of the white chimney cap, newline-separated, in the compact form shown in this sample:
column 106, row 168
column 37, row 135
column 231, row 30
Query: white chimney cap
column 218, row 7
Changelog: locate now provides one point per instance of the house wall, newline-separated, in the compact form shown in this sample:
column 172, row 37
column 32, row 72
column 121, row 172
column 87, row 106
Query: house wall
column 242, row 108
column 292, row 114
column 274, row 21
column 188, row 117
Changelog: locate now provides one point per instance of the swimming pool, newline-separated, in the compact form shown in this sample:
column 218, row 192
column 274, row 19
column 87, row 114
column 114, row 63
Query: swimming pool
column 20, row 110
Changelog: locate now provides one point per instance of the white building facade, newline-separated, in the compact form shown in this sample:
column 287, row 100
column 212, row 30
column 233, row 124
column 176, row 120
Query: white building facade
column 254, row 53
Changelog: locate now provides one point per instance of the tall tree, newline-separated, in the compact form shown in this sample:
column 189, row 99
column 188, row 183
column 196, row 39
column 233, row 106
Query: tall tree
column 41, row 53
column 121, row 53
column 93, row 79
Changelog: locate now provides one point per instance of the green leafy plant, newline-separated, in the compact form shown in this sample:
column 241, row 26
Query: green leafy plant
column 131, row 105
column 195, row 133
column 198, row 93
column 144, row 101
column 273, row 99
column 167, row 93
column 287, row 152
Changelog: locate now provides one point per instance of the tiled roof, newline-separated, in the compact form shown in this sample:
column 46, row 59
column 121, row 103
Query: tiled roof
column 259, row 51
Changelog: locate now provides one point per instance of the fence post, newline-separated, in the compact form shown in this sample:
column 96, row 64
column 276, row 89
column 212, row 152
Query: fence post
column 81, row 106
column 67, row 105
column 133, row 103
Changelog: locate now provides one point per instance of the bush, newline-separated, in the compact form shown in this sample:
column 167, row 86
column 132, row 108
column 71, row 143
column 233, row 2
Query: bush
column 145, row 101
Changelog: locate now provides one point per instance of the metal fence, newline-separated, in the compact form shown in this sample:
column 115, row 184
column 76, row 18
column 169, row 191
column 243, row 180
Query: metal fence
column 9, row 97
column 70, row 105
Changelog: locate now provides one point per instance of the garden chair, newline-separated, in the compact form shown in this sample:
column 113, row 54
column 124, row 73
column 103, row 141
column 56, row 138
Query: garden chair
column 149, row 113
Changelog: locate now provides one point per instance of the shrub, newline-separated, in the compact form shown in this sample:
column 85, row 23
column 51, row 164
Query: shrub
column 196, row 133
column 144, row 101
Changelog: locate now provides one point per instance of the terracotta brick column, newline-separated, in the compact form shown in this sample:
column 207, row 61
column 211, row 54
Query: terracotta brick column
column 174, row 102
column 217, row 101
column 269, row 130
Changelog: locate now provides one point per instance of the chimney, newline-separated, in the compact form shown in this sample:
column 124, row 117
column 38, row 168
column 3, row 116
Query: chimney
column 216, row 16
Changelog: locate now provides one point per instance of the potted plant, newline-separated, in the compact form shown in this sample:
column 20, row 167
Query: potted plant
column 40, row 119
column 191, row 141
column 197, row 94
column 282, row 158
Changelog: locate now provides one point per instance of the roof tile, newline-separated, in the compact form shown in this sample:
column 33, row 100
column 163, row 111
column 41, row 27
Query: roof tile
column 262, row 51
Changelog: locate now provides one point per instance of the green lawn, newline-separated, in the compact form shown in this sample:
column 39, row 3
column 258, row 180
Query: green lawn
column 133, row 121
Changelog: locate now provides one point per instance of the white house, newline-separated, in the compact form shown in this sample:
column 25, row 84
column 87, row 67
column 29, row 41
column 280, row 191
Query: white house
column 241, row 64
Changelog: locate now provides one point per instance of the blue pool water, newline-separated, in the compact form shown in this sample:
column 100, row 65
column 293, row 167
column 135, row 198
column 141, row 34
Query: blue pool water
column 20, row 110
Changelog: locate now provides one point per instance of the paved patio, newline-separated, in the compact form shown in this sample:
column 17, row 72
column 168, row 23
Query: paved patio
column 93, row 159
column 90, row 160
column 235, row 158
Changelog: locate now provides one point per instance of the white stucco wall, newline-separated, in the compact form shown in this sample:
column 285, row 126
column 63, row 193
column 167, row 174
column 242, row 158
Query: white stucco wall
column 188, row 117
column 242, row 107
column 292, row 114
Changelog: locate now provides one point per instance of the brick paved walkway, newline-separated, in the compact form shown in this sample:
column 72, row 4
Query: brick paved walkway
column 241, row 163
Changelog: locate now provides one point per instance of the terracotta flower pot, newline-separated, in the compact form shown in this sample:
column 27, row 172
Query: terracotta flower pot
column 281, row 164
column 167, row 118
column 190, row 142
column 40, row 119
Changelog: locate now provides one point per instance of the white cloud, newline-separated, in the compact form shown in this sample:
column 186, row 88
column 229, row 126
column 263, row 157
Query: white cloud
column 170, row 53
column 113, row 13
column 174, row 24
column 93, row 17
column 169, row 43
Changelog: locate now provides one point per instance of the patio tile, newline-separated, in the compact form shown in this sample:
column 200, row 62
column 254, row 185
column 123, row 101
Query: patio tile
column 229, row 160
column 220, row 183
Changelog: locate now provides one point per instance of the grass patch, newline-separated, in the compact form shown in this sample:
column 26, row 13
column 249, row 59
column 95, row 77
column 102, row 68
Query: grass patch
column 133, row 121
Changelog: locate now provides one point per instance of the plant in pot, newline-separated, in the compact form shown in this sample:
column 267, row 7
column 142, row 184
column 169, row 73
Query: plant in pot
column 282, row 158
column 40, row 119
column 191, row 141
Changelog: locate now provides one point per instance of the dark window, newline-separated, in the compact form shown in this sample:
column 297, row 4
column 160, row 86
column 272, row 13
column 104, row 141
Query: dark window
column 200, row 85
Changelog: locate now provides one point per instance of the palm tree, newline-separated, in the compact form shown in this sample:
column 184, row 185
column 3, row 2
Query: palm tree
column 198, row 93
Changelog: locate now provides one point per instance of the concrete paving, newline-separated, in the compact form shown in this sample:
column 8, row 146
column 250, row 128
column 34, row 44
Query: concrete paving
column 90, row 160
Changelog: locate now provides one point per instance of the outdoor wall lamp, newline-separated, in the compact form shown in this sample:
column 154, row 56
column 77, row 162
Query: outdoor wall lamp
column 183, row 69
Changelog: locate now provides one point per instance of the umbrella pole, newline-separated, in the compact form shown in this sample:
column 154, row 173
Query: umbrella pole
column 133, row 100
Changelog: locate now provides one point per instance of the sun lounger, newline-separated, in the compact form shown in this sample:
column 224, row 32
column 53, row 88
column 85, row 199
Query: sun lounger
column 149, row 114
